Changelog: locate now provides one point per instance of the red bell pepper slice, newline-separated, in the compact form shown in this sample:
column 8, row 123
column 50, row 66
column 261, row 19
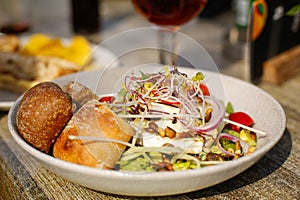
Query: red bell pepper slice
column 204, row 89
column 107, row 99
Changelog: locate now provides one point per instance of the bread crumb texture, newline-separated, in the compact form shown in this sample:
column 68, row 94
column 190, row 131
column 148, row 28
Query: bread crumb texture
column 42, row 114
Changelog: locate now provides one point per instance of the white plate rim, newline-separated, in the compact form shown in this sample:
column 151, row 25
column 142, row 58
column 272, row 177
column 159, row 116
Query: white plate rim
column 156, row 177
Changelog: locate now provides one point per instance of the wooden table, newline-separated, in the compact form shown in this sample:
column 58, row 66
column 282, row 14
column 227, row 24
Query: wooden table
column 275, row 176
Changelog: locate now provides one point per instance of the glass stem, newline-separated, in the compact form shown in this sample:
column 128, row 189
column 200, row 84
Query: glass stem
column 167, row 46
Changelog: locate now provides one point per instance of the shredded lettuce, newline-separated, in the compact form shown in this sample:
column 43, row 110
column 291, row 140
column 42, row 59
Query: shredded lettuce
column 138, row 164
column 227, row 144
column 245, row 136
column 234, row 133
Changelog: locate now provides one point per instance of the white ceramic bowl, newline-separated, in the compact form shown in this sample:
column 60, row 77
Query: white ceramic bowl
column 265, row 110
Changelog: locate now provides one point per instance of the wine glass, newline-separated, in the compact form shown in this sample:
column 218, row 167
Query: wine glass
column 169, row 15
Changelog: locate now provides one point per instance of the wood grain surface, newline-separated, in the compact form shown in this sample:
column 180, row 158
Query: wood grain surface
column 275, row 176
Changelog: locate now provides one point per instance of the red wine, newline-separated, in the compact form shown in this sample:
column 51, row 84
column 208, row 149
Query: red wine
column 169, row 12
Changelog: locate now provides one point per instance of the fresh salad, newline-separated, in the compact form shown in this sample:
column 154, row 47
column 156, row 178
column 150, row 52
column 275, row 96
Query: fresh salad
column 179, row 124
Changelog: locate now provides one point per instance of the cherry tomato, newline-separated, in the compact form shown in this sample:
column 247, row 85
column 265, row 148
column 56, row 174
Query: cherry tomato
column 204, row 89
column 108, row 99
column 242, row 118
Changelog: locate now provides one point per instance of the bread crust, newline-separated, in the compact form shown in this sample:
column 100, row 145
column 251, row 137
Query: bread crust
column 93, row 120
column 19, row 72
column 9, row 43
column 80, row 94
column 72, row 150
column 42, row 114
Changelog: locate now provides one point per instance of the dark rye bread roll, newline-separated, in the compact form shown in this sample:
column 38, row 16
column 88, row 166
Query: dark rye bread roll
column 42, row 114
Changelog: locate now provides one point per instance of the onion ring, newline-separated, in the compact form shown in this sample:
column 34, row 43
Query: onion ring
column 216, row 119
column 244, row 145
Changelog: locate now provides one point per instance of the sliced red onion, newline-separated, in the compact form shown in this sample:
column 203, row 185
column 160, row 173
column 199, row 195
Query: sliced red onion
column 244, row 145
column 217, row 116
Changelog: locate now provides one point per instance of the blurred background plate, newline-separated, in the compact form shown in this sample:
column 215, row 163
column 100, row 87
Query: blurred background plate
column 102, row 58
column 7, row 99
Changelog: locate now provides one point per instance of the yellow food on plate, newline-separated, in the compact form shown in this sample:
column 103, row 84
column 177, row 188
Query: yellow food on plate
column 35, row 43
column 40, row 58
column 77, row 50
